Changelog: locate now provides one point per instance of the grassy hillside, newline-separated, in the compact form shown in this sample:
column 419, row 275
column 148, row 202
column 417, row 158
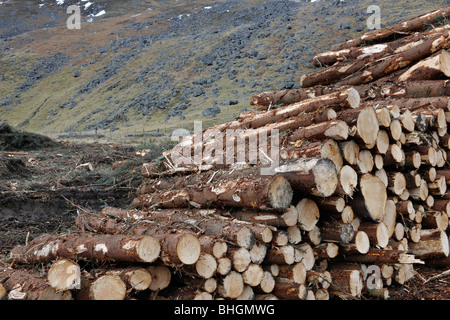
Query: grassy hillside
column 159, row 65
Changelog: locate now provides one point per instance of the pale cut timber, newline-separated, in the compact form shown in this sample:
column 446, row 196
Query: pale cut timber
column 64, row 275
column 396, row 183
column 326, row 251
column 267, row 284
column 371, row 203
column 384, row 117
column 337, row 232
column 232, row 285
column 365, row 161
column 405, row 27
column 429, row 69
column 280, row 255
column 367, row 125
column 308, row 214
column 161, row 277
column 316, row 176
column 258, row 253
column 240, row 258
column 107, row 287
column 390, row 217
column 314, row 236
column 378, row 233
column 335, row 129
column 136, row 278
column 304, row 253
column 318, row 279
column 382, row 142
column 295, row 234
column 296, row 272
column 253, row 275
column 395, row 129
column 378, row 161
column 348, row 181
column 382, row 175
column 224, row 266
column 399, row 232
column 350, row 151
column 332, row 204
column 433, row 244
column 359, row 245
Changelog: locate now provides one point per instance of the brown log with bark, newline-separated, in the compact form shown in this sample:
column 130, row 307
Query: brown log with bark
column 317, row 176
column 413, row 53
column 380, row 50
column 242, row 188
column 25, row 285
column 49, row 247
column 433, row 244
column 64, row 275
column 431, row 68
column 105, row 287
column 405, row 27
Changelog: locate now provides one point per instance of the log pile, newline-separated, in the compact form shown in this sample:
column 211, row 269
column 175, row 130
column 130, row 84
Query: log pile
column 333, row 190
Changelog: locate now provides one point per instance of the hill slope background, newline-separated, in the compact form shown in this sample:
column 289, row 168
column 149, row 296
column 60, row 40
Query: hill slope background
column 155, row 66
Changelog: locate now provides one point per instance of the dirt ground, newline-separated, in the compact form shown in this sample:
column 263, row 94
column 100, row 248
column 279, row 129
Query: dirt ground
column 44, row 184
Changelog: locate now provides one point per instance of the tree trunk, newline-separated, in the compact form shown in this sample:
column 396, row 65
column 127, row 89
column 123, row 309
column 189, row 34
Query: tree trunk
column 242, row 189
column 371, row 203
column 434, row 67
column 47, row 248
column 380, row 50
column 316, row 177
column 64, row 275
column 433, row 244
column 24, row 285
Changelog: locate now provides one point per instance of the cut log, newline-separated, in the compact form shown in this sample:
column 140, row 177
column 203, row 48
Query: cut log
column 289, row 290
column 350, row 151
column 232, row 285
column 64, row 275
column 359, row 245
column 224, row 266
column 25, row 285
column 371, row 203
column 161, row 277
column 296, row 272
column 390, row 217
column 365, row 161
column 254, row 275
column 47, row 248
column 346, row 280
column 280, row 255
column 434, row 67
column 136, row 278
column 316, row 177
column 326, row 251
column 378, row 233
column 405, row 27
column 240, row 258
column 385, row 256
column 267, row 284
column 106, row 287
column 243, row 189
column 396, row 183
column 348, row 181
column 308, row 214
column 337, row 232
column 433, row 244
column 417, row 51
column 435, row 220
column 335, row 129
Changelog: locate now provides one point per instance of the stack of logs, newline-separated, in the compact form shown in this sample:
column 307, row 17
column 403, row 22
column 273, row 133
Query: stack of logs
column 358, row 194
